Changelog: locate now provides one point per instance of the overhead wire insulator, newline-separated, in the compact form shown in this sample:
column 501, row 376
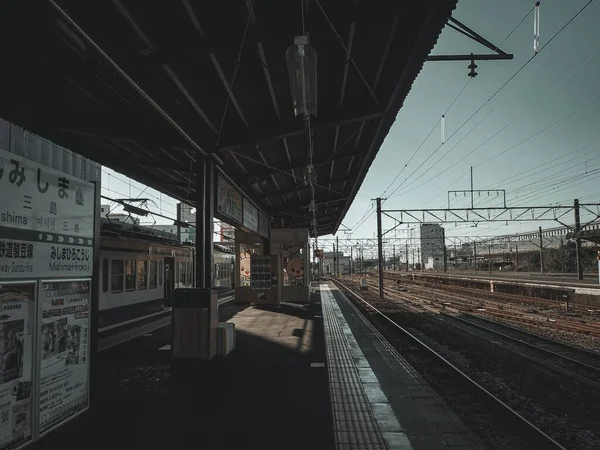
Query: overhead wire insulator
column 536, row 28
column 442, row 126
column 472, row 68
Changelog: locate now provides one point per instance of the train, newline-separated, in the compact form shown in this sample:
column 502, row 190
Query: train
column 139, row 269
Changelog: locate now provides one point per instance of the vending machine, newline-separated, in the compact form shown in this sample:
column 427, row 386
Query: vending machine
column 265, row 282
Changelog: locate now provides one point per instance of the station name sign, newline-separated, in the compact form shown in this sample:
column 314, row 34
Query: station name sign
column 46, row 221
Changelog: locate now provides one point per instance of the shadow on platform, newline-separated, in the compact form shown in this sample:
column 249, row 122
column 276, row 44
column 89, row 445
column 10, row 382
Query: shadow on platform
column 264, row 395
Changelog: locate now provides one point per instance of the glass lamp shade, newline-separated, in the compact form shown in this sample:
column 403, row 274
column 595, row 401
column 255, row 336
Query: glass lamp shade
column 301, row 61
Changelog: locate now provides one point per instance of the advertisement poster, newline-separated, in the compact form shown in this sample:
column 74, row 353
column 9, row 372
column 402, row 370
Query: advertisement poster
column 64, row 355
column 263, row 225
column 229, row 201
column 16, row 363
column 250, row 216
column 46, row 221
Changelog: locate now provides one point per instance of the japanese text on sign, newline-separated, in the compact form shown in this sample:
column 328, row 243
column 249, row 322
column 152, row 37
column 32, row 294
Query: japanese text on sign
column 35, row 197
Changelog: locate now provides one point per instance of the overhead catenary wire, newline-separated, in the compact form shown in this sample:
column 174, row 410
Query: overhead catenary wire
column 445, row 113
column 490, row 98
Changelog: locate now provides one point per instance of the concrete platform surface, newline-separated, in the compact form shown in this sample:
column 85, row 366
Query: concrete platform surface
column 266, row 394
column 316, row 376
column 409, row 413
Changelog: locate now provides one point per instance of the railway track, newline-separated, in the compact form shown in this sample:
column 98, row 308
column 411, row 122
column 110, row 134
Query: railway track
column 553, row 384
column 487, row 295
column 477, row 304
column 574, row 362
column 513, row 430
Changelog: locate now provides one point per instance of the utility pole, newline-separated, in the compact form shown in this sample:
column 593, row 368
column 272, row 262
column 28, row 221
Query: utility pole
column 362, row 260
column 444, row 250
column 455, row 257
column 490, row 256
column 562, row 255
column 541, row 252
column 406, row 255
column 351, row 261
column 337, row 256
column 419, row 258
column 394, row 256
column 578, row 241
column 471, row 188
column 475, row 255
column 380, row 248
column 516, row 256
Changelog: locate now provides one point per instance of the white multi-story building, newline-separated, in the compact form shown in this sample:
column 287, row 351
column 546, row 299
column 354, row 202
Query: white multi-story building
column 432, row 241
column 329, row 263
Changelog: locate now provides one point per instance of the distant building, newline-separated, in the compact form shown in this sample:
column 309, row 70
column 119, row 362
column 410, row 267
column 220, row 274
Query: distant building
column 432, row 241
column 434, row 263
column 227, row 232
column 188, row 235
column 329, row 262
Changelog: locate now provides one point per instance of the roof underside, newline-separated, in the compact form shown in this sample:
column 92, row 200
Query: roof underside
column 183, row 54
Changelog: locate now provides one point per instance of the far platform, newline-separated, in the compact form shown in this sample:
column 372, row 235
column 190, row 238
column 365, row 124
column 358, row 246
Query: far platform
column 315, row 376
column 551, row 279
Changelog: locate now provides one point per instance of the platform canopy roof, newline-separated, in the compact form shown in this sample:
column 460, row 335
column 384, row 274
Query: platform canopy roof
column 154, row 85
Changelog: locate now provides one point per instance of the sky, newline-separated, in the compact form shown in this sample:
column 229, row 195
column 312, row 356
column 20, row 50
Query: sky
column 536, row 138
column 561, row 80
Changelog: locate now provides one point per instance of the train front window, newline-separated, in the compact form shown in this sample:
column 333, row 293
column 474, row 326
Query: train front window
column 116, row 276
column 130, row 276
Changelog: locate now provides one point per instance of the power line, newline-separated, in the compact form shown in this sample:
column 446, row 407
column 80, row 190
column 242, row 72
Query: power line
column 487, row 101
column 446, row 112
column 568, row 116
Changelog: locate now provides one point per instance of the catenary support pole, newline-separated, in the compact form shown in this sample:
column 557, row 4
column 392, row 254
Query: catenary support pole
column 379, row 248
column 490, row 256
column 578, row 240
column 541, row 251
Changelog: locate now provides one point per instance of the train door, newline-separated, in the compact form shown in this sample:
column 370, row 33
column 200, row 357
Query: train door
column 169, row 279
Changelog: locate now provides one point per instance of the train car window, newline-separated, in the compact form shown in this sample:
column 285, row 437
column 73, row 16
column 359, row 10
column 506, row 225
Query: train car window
column 160, row 273
column 152, row 274
column 142, row 274
column 105, row 275
column 130, row 276
column 116, row 276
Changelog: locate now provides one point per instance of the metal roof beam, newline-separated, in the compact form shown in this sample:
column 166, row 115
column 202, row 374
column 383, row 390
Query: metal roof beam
column 296, row 127
column 322, row 184
column 267, row 171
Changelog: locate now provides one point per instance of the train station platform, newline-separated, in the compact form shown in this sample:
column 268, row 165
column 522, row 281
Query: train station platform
column 315, row 376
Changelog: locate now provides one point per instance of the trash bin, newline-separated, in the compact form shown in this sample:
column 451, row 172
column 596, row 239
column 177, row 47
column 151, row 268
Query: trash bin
column 195, row 320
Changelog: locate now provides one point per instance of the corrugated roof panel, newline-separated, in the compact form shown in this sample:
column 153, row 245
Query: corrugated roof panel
column 23, row 143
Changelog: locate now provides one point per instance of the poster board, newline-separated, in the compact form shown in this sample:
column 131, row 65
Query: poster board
column 250, row 216
column 64, row 350
column 46, row 235
column 229, row 201
column 263, row 225
column 235, row 208
column 260, row 272
column 17, row 362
